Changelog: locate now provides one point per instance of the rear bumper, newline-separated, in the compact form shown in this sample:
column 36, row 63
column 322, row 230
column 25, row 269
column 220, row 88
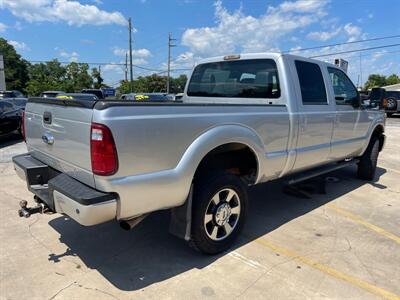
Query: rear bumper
column 65, row 195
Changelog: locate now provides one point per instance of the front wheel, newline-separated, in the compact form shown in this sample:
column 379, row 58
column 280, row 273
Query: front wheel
column 219, row 211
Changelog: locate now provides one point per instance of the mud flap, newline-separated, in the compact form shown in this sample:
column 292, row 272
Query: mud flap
column 181, row 219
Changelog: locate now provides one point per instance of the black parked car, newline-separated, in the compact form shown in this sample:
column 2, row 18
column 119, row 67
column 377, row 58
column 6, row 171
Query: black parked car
column 11, row 94
column 390, row 100
column 18, row 102
column 97, row 92
column 10, row 118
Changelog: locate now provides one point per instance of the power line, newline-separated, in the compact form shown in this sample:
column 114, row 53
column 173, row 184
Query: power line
column 344, row 43
column 356, row 50
column 95, row 63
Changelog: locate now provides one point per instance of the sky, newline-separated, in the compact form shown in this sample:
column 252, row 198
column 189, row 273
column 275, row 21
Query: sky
column 96, row 31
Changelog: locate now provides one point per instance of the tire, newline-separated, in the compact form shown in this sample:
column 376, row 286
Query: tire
column 218, row 212
column 368, row 161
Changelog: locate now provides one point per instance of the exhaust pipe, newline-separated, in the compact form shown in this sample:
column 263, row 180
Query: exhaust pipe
column 130, row 223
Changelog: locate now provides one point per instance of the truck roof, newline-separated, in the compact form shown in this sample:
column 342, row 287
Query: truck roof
column 272, row 55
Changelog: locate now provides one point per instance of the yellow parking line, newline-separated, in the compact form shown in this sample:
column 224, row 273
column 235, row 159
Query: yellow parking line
column 328, row 270
column 359, row 220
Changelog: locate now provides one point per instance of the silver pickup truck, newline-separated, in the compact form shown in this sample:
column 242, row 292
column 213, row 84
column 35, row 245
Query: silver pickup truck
column 243, row 120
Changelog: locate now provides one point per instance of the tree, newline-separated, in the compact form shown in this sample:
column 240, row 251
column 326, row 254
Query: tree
column 99, row 80
column 45, row 77
column 53, row 76
column 392, row 79
column 376, row 80
column 77, row 77
column 153, row 84
column 16, row 68
column 178, row 84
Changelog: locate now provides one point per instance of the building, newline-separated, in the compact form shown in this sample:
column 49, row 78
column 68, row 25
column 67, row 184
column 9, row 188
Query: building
column 393, row 87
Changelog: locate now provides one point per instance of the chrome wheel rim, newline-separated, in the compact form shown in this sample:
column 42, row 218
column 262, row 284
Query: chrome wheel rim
column 222, row 214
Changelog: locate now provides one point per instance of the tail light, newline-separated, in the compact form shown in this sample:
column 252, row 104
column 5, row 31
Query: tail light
column 23, row 126
column 102, row 150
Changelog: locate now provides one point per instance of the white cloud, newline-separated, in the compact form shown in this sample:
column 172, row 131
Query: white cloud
column 3, row 27
column 19, row 45
column 324, row 35
column 113, row 68
column 137, row 53
column 71, row 56
column 71, row 12
column 236, row 31
column 139, row 61
column 354, row 32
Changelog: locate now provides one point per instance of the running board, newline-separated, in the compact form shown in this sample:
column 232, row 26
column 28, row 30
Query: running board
column 319, row 171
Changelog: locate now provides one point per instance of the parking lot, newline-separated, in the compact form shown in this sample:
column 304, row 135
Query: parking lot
column 344, row 243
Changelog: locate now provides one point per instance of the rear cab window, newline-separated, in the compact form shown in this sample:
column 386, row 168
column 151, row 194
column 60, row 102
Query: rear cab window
column 312, row 86
column 247, row 78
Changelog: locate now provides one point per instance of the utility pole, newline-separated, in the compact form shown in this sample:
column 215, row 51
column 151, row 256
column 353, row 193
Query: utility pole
column 130, row 55
column 2, row 74
column 126, row 66
column 170, row 39
column 360, row 71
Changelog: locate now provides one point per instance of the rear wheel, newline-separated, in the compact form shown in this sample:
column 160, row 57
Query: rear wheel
column 219, row 210
column 369, row 160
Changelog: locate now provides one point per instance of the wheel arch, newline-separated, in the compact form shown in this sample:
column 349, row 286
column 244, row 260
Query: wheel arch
column 230, row 137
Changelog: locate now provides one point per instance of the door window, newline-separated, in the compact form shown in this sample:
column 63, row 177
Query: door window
column 345, row 91
column 312, row 84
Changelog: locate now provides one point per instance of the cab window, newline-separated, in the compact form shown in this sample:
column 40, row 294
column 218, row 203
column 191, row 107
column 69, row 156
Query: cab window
column 248, row 78
column 345, row 91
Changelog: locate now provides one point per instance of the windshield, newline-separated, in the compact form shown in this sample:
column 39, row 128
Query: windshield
column 252, row 78
column 376, row 94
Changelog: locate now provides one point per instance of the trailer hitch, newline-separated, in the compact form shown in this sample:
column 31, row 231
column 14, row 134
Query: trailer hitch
column 26, row 211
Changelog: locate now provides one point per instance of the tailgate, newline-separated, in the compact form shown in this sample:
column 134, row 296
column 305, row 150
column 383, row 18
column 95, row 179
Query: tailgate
column 58, row 134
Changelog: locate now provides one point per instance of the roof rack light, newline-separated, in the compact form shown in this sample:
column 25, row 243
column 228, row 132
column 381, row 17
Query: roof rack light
column 232, row 56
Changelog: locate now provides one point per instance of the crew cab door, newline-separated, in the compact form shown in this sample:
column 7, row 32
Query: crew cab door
column 351, row 123
column 315, row 114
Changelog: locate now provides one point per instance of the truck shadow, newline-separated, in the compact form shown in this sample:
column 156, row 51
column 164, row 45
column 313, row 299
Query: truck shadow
column 148, row 254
